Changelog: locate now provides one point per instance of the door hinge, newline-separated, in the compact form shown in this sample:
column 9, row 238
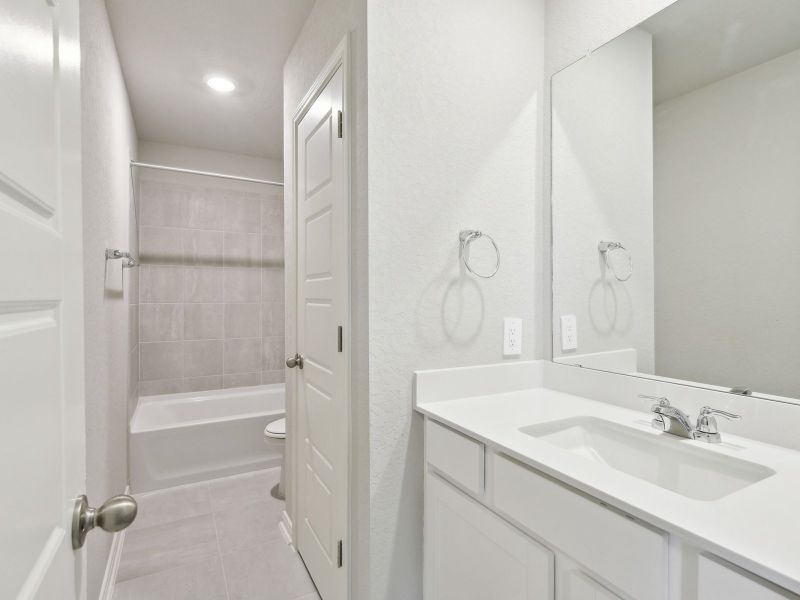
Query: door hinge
column 340, row 343
column 339, row 130
column 340, row 557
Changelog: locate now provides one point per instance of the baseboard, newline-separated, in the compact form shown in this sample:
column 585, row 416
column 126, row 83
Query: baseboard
column 112, row 566
column 286, row 527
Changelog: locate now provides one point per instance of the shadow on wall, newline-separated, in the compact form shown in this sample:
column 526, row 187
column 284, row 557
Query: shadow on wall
column 113, row 280
column 610, row 307
column 450, row 309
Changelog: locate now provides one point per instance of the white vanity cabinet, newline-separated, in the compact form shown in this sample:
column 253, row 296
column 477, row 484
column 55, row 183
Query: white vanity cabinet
column 473, row 553
column 497, row 529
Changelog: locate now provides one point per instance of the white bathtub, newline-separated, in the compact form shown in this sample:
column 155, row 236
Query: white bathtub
column 184, row 438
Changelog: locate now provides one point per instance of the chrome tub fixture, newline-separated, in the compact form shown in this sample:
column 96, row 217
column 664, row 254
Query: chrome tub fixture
column 129, row 261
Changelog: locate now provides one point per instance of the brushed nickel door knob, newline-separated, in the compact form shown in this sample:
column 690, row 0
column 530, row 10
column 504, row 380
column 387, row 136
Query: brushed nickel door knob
column 295, row 361
column 115, row 514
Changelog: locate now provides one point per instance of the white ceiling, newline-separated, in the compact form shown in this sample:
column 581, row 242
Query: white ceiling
column 166, row 47
column 697, row 42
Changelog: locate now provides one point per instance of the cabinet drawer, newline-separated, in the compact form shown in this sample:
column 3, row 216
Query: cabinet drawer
column 456, row 456
column 720, row 581
column 630, row 556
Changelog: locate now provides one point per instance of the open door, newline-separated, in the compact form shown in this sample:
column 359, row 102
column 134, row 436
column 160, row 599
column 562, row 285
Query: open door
column 42, row 438
column 323, row 284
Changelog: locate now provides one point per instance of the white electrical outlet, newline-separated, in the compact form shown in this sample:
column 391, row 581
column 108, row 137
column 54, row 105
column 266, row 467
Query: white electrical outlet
column 512, row 336
column 569, row 332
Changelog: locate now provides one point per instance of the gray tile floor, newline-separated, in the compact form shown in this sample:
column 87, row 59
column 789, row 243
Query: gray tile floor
column 216, row 540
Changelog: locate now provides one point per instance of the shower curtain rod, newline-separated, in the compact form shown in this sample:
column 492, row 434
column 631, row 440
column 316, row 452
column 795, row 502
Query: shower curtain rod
column 207, row 173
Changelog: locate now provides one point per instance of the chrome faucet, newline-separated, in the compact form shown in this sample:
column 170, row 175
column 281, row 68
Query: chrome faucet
column 673, row 420
column 669, row 418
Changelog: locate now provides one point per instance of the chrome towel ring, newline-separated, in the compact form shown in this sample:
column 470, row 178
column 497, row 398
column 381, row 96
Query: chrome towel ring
column 606, row 248
column 466, row 237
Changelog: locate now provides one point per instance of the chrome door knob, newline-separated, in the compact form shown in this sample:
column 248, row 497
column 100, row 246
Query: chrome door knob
column 115, row 514
column 295, row 361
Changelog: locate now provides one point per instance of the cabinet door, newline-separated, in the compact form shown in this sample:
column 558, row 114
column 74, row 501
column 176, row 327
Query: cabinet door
column 574, row 584
column 718, row 580
column 471, row 554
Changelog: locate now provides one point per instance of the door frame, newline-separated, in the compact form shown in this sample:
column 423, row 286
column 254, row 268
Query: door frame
column 339, row 58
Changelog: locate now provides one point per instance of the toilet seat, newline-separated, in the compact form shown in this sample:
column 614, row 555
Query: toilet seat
column 275, row 439
column 276, row 429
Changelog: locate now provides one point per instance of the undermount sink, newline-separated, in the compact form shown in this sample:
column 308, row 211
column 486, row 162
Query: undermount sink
column 663, row 460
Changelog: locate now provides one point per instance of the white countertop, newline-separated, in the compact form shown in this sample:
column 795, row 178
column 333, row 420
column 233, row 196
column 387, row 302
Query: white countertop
column 757, row 527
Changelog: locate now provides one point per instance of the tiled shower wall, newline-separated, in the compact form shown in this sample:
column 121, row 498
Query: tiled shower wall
column 211, row 287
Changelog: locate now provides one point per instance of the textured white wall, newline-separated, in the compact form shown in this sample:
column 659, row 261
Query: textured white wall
column 328, row 23
column 455, row 92
column 603, row 190
column 109, row 142
column 727, row 251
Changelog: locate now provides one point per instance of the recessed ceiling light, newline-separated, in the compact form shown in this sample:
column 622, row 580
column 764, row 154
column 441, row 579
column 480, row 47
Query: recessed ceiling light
column 220, row 84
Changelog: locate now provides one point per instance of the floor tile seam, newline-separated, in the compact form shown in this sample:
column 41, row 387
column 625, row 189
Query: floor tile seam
column 225, row 507
column 167, row 570
column 173, row 521
column 244, row 475
column 164, row 491
column 221, row 560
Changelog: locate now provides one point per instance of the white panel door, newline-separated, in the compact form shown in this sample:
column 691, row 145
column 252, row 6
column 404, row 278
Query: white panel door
column 322, row 388
column 472, row 554
column 42, row 462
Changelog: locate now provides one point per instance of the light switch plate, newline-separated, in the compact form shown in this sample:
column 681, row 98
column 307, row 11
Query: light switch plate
column 512, row 336
column 569, row 332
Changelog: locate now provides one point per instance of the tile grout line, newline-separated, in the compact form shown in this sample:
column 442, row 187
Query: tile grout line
column 170, row 569
column 143, row 530
column 219, row 546
column 255, row 337
column 262, row 357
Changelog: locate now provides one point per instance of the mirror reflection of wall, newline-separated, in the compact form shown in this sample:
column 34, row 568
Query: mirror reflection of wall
column 680, row 140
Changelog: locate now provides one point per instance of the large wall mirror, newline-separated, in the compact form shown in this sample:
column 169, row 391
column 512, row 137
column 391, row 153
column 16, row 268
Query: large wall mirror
column 676, row 199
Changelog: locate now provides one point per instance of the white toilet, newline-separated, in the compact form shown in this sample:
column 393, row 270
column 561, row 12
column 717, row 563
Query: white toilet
column 275, row 437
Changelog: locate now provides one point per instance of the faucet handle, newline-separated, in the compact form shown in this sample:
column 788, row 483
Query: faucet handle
column 708, row 411
column 706, row 428
column 706, row 421
column 660, row 400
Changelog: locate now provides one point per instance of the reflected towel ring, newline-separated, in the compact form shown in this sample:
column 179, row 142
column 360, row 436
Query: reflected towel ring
column 606, row 248
column 466, row 237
